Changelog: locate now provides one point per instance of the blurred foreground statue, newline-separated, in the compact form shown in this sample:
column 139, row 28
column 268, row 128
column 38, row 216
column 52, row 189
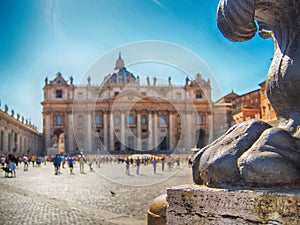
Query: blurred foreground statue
column 253, row 153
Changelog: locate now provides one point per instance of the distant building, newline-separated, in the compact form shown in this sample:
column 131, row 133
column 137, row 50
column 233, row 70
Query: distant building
column 242, row 107
column 254, row 104
column 123, row 115
column 18, row 136
column 267, row 112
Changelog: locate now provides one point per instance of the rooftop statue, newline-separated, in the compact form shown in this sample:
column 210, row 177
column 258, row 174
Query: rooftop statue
column 253, row 153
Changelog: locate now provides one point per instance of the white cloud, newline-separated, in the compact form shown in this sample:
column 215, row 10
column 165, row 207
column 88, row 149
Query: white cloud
column 51, row 13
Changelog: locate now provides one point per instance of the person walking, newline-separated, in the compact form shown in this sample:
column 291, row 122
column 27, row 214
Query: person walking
column 138, row 163
column 81, row 160
column 56, row 163
column 163, row 163
column 98, row 161
column 25, row 161
column 127, row 163
column 91, row 160
column 154, row 162
column 71, row 160
column 12, row 166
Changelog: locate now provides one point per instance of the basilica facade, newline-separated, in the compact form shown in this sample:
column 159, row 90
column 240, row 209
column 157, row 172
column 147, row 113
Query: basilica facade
column 124, row 115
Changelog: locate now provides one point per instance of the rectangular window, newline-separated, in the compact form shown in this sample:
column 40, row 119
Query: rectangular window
column 162, row 119
column 97, row 119
column 58, row 93
column 200, row 119
column 58, row 120
column 144, row 120
column 199, row 94
column 130, row 119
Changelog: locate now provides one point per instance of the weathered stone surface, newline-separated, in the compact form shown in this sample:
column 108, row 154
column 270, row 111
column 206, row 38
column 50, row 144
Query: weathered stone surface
column 273, row 160
column 193, row 204
column 217, row 163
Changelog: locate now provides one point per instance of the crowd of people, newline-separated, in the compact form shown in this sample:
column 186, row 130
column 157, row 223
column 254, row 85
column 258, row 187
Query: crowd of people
column 11, row 162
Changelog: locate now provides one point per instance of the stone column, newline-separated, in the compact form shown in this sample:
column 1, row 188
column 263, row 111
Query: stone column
column 122, row 133
column 188, row 130
column 155, row 129
column 48, row 143
column 111, row 132
column 105, row 133
column 89, row 132
column 5, row 140
column 70, row 133
column 210, row 133
column 171, row 146
column 138, row 131
column 150, row 131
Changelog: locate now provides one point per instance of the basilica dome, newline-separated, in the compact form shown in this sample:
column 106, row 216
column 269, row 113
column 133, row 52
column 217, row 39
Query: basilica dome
column 120, row 75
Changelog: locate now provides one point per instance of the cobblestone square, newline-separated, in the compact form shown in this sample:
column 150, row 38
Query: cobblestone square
column 40, row 197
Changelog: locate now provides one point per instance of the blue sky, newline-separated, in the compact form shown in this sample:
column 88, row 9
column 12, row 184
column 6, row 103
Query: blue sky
column 40, row 38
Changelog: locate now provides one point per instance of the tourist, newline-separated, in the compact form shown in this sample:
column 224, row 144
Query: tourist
column 81, row 160
column 170, row 163
column 39, row 161
column 63, row 159
column 178, row 162
column 91, row 163
column 163, row 163
column 33, row 159
column 154, row 162
column 127, row 163
column 71, row 160
column 12, row 165
column 138, row 163
column 131, row 162
column 3, row 160
column 25, row 161
column 56, row 162
column 98, row 159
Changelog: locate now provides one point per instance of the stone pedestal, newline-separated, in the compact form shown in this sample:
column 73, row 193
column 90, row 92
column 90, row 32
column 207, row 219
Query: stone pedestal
column 194, row 204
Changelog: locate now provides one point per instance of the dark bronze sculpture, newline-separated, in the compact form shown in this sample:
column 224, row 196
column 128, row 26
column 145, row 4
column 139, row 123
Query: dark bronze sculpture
column 253, row 153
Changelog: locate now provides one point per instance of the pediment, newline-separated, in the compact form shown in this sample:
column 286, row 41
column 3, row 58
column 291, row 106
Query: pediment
column 129, row 95
column 59, row 80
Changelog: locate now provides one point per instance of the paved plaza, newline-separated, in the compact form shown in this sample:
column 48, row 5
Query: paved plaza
column 103, row 196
